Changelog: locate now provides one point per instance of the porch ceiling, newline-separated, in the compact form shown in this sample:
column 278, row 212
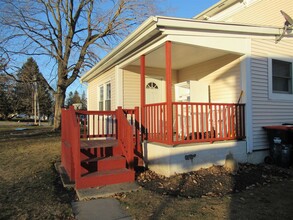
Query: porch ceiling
column 183, row 55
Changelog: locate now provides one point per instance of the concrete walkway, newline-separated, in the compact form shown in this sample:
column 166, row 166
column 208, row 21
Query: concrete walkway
column 99, row 209
column 96, row 203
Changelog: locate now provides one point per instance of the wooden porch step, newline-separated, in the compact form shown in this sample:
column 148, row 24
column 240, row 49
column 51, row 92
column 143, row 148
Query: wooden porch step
column 107, row 163
column 106, row 177
column 95, row 159
column 85, row 144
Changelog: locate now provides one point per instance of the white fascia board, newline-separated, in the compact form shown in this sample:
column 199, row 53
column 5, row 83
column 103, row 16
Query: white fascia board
column 135, row 37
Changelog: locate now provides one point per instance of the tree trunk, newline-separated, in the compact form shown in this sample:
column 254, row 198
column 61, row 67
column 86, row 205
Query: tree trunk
column 59, row 104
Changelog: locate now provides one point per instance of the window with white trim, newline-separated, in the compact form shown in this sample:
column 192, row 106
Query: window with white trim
column 280, row 79
column 282, row 76
column 105, row 97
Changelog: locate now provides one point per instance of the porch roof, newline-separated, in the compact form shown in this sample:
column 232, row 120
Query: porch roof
column 160, row 29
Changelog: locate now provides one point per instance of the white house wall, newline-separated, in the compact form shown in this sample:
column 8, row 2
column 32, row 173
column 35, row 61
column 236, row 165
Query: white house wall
column 222, row 74
column 266, row 111
column 264, row 12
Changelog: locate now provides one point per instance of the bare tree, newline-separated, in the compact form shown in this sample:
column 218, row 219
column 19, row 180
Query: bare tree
column 70, row 32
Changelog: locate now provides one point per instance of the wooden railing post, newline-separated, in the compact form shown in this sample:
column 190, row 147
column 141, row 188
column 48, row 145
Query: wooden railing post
column 169, row 129
column 137, row 133
column 142, row 96
column 119, row 111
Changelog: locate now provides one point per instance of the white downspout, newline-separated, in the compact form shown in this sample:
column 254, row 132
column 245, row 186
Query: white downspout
column 246, row 85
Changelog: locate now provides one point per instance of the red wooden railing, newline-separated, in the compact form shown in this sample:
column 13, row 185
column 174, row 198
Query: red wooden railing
column 121, row 124
column 97, row 123
column 156, row 118
column 196, row 122
column 132, row 116
column 70, row 143
column 125, row 137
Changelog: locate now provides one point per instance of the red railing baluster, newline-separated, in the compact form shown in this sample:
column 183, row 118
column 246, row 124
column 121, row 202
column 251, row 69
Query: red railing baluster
column 192, row 122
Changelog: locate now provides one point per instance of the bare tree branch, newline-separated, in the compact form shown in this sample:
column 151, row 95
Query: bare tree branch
column 71, row 32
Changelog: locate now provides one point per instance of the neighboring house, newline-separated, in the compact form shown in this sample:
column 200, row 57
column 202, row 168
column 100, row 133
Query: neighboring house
column 205, row 86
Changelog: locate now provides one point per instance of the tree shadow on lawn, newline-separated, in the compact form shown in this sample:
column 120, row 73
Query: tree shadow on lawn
column 34, row 134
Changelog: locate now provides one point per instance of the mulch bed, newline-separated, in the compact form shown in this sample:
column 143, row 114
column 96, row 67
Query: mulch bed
column 214, row 181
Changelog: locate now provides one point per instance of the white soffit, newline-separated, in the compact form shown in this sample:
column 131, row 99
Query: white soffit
column 234, row 45
column 183, row 55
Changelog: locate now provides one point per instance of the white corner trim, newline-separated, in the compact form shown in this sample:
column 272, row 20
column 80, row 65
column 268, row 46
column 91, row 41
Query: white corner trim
column 119, row 86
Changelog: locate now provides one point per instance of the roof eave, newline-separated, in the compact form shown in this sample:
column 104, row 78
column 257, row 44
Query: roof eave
column 155, row 25
column 216, row 8
column 147, row 27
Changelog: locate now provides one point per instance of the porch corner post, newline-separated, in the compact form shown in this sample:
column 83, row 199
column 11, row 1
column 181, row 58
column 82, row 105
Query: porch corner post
column 169, row 128
column 142, row 96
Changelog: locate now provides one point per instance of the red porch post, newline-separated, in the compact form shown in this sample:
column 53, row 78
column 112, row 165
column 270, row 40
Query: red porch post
column 169, row 128
column 142, row 95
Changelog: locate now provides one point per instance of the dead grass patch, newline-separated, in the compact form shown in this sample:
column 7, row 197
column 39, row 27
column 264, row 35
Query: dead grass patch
column 30, row 186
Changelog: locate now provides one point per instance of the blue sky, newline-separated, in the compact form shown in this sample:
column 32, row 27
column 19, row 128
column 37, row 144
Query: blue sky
column 188, row 8
column 178, row 8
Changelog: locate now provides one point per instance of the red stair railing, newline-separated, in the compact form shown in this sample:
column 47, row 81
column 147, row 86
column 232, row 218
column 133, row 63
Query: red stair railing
column 70, row 143
column 95, row 124
column 125, row 137
column 122, row 125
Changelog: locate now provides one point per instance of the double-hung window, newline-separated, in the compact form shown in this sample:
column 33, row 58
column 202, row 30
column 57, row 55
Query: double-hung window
column 101, row 99
column 280, row 79
column 105, row 97
column 282, row 76
column 108, row 97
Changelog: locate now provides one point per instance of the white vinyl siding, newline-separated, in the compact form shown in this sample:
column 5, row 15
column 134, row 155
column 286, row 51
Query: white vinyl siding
column 264, row 12
column 131, row 87
column 266, row 111
column 222, row 74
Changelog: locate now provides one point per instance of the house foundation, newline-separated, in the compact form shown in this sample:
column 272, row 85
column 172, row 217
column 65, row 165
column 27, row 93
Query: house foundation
column 169, row 160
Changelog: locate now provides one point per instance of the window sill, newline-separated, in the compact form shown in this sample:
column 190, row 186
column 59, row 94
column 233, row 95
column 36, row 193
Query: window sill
column 280, row 97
